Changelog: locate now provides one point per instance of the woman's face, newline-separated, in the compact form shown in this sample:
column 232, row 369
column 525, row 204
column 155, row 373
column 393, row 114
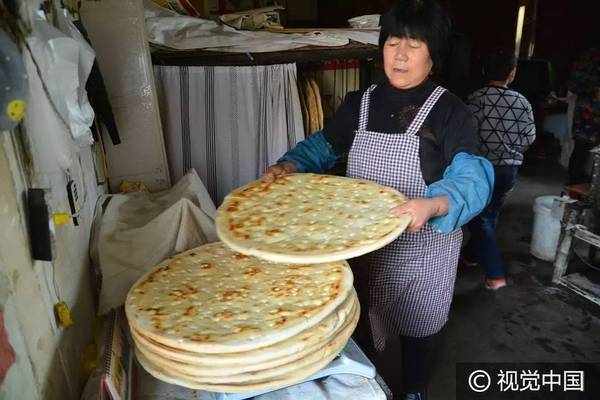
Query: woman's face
column 406, row 62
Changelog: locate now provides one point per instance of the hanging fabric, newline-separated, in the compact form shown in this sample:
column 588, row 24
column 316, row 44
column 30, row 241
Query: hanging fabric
column 229, row 123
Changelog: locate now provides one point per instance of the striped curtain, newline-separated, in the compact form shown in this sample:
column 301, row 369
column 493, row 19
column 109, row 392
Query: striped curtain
column 229, row 123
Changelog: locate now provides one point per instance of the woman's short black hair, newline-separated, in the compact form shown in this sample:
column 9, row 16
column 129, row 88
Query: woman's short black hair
column 424, row 20
column 498, row 63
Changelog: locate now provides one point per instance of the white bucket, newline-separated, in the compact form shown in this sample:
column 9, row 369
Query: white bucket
column 547, row 213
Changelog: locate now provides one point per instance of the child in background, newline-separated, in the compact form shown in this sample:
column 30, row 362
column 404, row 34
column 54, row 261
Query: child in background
column 506, row 129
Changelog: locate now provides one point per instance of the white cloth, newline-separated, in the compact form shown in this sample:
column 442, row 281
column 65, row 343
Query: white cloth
column 561, row 127
column 172, row 30
column 135, row 231
column 228, row 123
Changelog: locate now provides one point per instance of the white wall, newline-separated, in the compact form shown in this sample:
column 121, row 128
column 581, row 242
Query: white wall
column 48, row 357
column 27, row 291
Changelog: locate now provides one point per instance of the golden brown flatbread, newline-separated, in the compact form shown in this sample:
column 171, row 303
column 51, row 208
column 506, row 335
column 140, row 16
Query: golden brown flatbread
column 214, row 300
column 310, row 218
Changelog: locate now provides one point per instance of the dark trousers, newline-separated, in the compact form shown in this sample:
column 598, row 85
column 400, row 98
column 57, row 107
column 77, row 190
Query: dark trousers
column 578, row 162
column 483, row 246
column 416, row 352
column 416, row 362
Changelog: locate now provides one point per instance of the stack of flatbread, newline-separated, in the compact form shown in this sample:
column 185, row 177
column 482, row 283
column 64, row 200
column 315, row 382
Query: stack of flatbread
column 217, row 320
column 272, row 303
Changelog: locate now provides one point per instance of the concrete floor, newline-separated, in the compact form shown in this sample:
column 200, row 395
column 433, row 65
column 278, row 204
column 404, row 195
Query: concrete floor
column 532, row 320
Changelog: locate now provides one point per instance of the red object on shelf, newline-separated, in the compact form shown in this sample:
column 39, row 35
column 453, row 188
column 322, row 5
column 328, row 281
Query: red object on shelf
column 7, row 353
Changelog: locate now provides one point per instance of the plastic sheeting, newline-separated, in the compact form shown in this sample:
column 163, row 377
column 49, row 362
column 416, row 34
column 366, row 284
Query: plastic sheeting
column 134, row 232
column 169, row 29
column 65, row 60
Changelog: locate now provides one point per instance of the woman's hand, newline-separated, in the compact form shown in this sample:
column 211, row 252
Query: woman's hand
column 422, row 210
column 285, row 167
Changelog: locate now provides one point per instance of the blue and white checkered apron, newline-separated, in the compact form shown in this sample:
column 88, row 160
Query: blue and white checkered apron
column 410, row 282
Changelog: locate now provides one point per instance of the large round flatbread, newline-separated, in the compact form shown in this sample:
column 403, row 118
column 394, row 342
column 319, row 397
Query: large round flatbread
column 258, row 372
column 310, row 218
column 296, row 376
column 279, row 353
column 214, row 300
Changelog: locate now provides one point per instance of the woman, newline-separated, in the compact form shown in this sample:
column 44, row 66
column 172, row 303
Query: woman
column 585, row 83
column 414, row 136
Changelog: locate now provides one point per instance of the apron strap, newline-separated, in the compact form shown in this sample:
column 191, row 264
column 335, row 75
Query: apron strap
column 424, row 111
column 363, row 118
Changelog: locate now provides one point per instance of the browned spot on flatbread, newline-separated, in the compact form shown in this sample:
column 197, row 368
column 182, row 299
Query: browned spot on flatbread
column 334, row 272
column 190, row 311
column 278, row 310
column 309, row 310
column 243, row 329
column 233, row 207
column 152, row 277
column 281, row 321
column 334, row 291
column 205, row 266
column 157, row 323
column 224, row 314
column 185, row 291
column 199, row 338
column 154, row 311
column 240, row 257
column 273, row 232
column 252, row 271
column 230, row 295
column 351, row 243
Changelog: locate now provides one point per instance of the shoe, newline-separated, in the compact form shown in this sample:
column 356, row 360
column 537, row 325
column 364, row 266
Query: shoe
column 414, row 396
column 495, row 284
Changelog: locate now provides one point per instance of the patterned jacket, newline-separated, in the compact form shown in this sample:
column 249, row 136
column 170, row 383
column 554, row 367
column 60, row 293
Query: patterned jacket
column 506, row 124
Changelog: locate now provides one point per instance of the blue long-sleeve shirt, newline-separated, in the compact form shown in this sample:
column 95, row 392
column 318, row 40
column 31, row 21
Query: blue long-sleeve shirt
column 467, row 182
